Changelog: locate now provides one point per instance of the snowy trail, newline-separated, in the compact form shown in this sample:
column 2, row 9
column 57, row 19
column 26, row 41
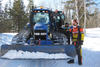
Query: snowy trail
column 91, row 55
column 38, row 63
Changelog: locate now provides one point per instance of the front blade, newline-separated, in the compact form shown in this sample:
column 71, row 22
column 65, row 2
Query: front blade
column 69, row 50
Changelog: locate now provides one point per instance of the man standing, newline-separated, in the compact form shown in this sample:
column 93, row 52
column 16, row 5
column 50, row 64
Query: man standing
column 77, row 37
column 67, row 32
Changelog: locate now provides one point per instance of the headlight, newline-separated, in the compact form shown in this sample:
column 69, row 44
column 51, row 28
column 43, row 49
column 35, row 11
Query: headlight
column 36, row 33
column 39, row 33
column 43, row 33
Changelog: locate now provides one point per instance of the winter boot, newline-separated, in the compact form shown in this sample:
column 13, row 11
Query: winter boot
column 80, row 60
column 71, row 61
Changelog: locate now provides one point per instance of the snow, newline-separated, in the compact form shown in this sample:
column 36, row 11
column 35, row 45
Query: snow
column 90, row 52
column 13, row 54
column 92, row 39
column 6, row 38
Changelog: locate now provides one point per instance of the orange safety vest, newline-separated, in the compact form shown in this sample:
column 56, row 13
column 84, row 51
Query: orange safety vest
column 77, row 33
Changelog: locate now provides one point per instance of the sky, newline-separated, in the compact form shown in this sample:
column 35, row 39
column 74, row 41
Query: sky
column 54, row 4
column 98, row 3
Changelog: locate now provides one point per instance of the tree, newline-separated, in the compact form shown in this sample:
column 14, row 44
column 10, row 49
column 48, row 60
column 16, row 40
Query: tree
column 94, row 18
column 1, row 12
column 70, row 5
column 0, row 15
column 18, row 15
column 1, row 18
column 30, row 6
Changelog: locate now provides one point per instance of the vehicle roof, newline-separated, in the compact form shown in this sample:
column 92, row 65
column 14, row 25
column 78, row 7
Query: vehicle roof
column 41, row 9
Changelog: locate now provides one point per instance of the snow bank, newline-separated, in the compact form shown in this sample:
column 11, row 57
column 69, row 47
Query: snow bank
column 13, row 54
column 5, row 38
column 92, row 39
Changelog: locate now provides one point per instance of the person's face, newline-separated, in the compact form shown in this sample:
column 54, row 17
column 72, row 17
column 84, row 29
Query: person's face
column 74, row 23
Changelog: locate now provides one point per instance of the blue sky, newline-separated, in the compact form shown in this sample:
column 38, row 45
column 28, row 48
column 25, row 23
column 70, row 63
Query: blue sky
column 98, row 2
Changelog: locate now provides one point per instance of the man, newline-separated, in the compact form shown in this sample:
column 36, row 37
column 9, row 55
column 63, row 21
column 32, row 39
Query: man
column 58, row 20
column 77, row 37
column 67, row 32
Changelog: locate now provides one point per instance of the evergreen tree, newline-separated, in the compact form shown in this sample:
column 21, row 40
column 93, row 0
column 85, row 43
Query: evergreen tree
column 18, row 15
column 1, row 12
column 1, row 17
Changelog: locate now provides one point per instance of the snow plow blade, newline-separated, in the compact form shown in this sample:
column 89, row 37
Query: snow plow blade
column 69, row 50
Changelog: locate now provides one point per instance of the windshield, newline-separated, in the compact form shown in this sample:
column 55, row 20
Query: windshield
column 41, row 17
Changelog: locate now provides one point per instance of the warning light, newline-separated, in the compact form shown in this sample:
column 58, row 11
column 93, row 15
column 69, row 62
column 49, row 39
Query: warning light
column 35, row 11
column 46, row 11
column 41, row 7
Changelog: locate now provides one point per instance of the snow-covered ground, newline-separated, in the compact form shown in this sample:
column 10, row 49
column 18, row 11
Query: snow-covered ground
column 13, row 54
column 91, row 54
column 6, row 38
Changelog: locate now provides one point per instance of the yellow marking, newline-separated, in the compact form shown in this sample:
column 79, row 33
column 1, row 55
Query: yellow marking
column 82, row 36
column 81, row 51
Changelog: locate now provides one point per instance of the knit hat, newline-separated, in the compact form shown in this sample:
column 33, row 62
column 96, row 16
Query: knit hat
column 75, row 21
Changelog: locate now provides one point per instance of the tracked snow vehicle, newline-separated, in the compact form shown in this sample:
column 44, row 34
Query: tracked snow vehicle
column 40, row 35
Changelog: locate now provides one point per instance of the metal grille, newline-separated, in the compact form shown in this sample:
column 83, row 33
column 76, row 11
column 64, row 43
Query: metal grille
column 39, row 34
